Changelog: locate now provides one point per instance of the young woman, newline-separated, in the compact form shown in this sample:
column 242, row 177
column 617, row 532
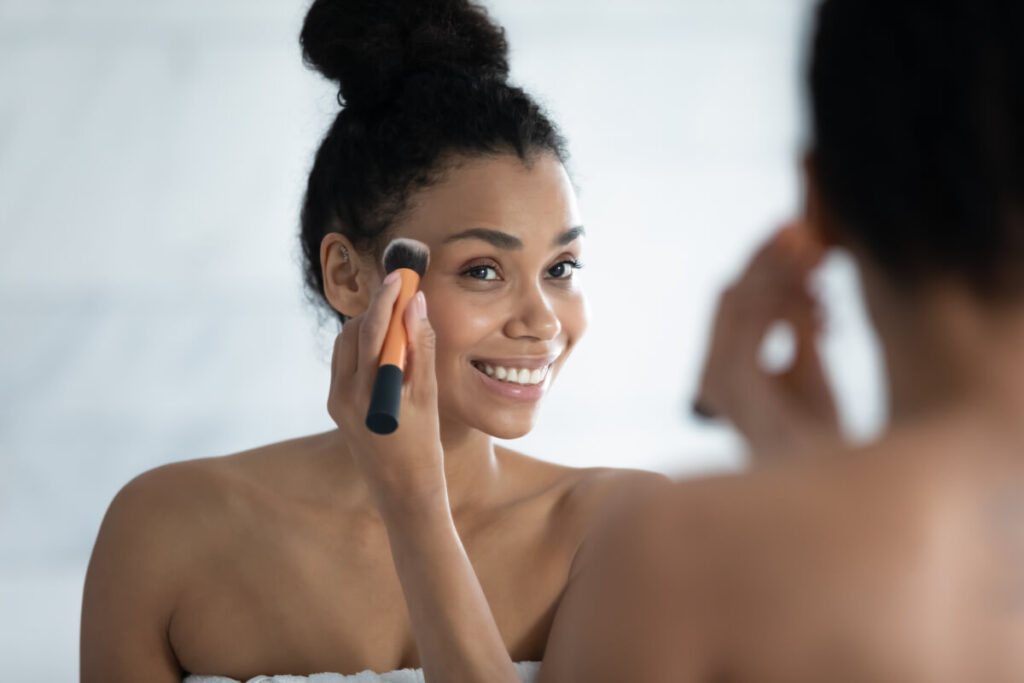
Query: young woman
column 311, row 555
column 902, row 561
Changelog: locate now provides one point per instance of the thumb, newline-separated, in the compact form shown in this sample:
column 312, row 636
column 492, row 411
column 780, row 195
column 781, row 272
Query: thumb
column 422, row 344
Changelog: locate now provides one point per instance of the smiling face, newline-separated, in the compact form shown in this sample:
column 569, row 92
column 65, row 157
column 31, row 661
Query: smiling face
column 502, row 289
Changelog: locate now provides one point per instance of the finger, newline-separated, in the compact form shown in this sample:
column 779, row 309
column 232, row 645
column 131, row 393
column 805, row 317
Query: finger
column 375, row 324
column 806, row 331
column 420, row 373
column 771, row 252
column 806, row 377
column 808, row 380
column 732, row 359
column 787, row 257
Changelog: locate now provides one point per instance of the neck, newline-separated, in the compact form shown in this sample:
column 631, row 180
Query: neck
column 945, row 349
column 470, row 464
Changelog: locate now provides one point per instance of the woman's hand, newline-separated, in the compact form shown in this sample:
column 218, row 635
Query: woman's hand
column 792, row 411
column 404, row 468
column 455, row 631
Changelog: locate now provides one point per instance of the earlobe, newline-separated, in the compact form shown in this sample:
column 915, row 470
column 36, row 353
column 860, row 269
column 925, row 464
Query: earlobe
column 344, row 279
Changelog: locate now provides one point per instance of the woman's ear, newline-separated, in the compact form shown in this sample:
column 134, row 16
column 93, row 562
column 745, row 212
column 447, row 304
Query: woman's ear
column 347, row 276
column 816, row 213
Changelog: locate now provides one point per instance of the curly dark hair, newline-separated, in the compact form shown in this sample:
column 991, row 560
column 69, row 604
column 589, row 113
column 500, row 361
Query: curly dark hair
column 918, row 117
column 420, row 82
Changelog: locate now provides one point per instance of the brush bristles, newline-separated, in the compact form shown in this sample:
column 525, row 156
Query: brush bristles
column 406, row 253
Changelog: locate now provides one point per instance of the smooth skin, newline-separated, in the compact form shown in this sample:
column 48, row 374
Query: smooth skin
column 899, row 561
column 346, row 551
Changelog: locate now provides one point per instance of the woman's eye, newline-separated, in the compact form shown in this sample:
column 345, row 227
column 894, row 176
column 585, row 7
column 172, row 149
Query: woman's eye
column 564, row 269
column 560, row 271
column 480, row 273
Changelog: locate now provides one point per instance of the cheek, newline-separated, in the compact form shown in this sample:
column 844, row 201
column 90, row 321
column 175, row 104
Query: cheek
column 575, row 316
column 459, row 326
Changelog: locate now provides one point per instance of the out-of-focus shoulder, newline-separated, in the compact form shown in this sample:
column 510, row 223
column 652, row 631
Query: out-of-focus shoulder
column 596, row 495
column 604, row 486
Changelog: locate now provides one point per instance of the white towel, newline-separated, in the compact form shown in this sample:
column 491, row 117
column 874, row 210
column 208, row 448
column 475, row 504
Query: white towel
column 527, row 671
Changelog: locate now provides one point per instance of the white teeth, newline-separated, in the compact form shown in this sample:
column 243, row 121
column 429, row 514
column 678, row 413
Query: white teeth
column 522, row 376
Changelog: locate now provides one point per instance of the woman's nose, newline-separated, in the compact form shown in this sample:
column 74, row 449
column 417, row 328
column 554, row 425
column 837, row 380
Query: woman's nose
column 533, row 316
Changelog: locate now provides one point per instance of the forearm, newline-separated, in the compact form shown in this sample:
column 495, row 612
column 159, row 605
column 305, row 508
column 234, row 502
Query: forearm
column 456, row 634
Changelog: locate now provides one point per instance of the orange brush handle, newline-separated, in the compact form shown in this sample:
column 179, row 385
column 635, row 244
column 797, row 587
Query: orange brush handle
column 396, row 341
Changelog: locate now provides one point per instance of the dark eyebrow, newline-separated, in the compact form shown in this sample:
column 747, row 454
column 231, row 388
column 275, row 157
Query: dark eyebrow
column 503, row 240
column 569, row 236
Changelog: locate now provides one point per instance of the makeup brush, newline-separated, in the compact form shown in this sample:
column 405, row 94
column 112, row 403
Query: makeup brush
column 410, row 258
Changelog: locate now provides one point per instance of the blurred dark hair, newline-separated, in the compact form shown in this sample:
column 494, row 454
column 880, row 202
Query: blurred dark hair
column 420, row 82
column 918, row 116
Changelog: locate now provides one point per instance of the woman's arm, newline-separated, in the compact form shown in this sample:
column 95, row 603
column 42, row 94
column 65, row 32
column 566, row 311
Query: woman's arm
column 456, row 634
column 455, row 631
column 125, row 604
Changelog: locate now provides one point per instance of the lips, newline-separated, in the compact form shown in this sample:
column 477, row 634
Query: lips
column 507, row 377
column 514, row 390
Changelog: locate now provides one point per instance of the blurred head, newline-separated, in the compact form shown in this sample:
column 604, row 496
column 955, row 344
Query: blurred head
column 918, row 139
column 433, row 143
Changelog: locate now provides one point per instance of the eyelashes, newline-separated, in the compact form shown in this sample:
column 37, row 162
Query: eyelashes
column 572, row 264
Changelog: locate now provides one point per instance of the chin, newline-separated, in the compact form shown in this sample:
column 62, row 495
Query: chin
column 506, row 426
column 509, row 431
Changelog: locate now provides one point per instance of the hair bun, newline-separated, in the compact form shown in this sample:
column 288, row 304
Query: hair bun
column 369, row 46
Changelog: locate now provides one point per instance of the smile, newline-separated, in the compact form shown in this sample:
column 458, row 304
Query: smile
column 523, row 376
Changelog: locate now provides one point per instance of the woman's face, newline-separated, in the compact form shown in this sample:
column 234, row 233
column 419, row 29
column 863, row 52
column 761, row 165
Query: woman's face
column 502, row 291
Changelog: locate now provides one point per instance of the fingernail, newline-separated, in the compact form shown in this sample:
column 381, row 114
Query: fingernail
column 421, row 305
column 392, row 276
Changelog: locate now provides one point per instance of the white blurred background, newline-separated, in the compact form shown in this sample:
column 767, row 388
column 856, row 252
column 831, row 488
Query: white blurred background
column 152, row 159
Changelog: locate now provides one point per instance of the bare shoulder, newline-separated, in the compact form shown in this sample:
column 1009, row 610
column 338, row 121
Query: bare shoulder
column 829, row 506
column 151, row 504
column 137, row 571
column 179, row 492
column 699, row 559
column 870, row 504
column 578, row 500
column 162, row 529
column 159, row 517
column 166, row 515
column 598, row 492
column 741, row 568
column 583, row 488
